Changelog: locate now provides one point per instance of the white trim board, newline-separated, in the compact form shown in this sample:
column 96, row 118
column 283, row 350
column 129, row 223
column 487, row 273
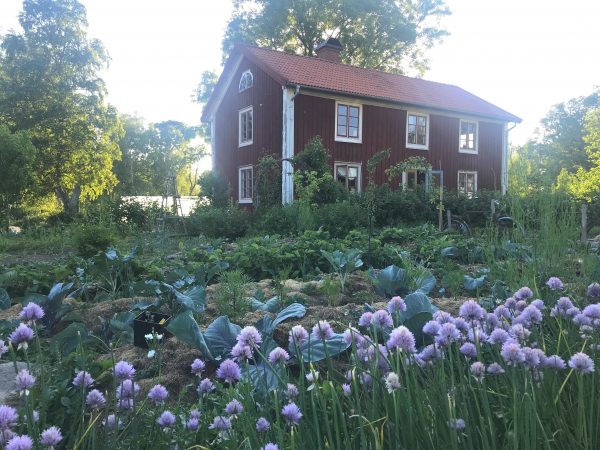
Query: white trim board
column 287, row 146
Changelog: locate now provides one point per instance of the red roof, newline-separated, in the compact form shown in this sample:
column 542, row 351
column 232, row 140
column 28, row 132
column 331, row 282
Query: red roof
column 320, row 74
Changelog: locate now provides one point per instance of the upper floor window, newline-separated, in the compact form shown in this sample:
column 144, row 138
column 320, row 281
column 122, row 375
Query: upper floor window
column 417, row 131
column 468, row 137
column 349, row 175
column 245, row 184
column 467, row 182
column 246, row 124
column 246, row 81
column 348, row 122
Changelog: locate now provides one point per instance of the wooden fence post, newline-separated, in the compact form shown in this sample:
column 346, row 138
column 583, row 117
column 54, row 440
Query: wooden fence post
column 584, row 236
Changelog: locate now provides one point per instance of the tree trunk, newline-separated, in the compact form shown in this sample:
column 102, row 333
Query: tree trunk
column 70, row 203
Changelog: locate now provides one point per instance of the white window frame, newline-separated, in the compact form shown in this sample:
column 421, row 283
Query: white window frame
column 240, row 170
column 467, row 172
column 476, row 143
column 357, row 140
column 242, row 78
column 240, row 113
column 427, row 126
column 336, row 164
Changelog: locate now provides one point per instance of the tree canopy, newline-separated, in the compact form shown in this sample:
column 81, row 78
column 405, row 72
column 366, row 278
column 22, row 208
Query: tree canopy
column 390, row 35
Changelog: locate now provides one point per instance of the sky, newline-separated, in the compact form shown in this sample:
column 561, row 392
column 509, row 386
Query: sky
column 522, row 55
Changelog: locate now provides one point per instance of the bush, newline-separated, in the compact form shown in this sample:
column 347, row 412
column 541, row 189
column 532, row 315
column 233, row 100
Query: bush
column 136, row 214
column 214, row 189
column 402, row 208
column 230, row 222
column 475, row 211
column 91, row 239
column 340, row 218
column 281, row 219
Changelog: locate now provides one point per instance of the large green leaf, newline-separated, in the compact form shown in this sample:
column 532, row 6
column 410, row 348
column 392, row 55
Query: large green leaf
column 415, row 325
column 425, row 282
column 220, row 336
column 271, row 305
column 265, row 378
column 4, row 299
column 391, row 281
column 318, row 350
column 472, row 284
column 197, row 295
column 185, row 328
column 295, row 310
column 416, row 303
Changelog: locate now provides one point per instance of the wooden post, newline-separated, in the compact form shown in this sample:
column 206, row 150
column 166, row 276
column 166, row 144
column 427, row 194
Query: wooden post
column 449, row 219
column 584, row 236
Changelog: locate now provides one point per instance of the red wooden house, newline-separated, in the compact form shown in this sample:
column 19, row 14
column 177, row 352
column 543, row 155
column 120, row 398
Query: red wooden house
column 270, row 102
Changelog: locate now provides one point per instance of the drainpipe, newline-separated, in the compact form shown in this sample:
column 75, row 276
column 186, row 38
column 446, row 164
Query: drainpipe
column 504, row 181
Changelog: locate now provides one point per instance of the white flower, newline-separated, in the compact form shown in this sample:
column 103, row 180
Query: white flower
column 151, row 353
column 312, row 376
column 159, row 337
column 392, row 382
column 148, row 337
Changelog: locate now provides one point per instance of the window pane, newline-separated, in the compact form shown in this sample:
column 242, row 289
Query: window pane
column 411, row 137
column 421, row 139
column 354, row 122
column 342, row 120
column 342, row 110
column 353, row 132
column 341, row 131
column 341, row 171
column 422, row 120
column 354, row 111
column 352, row 172
column 412, row 120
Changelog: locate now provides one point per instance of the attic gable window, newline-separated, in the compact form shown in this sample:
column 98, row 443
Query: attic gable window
column 417, row 131
column 467, row 142
column 348, row 122
column 246, row 80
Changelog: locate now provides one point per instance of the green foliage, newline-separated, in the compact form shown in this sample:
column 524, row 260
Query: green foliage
column 267, row 184
column 229, row 222
column 214, row 189
column 343, row 263
column 91, row 239
column 231, row 297
column 340, row 218
column 418, row 163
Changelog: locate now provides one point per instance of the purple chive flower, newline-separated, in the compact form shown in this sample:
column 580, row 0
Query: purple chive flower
column 292, row 414
column 198, row 367
column 192, row 424
column 292, row 391
column 83, row 379
column 322, row 331
column 448, row 333
column 21, row 336
column 592, row 312
column 158, row 394
column 498, row 336
column 233, row 407
column 554, row 362
column 262, row 425
column 593, row 290
column 25, row 380
column 229, row 371
column 111, row 422
column 432, row 327
column 127, row 389
column 95, row 399
column 581, row 363
column 206, row 386
column 241, row 352
column 270, row 446
column 220, row 423
column 31, row 312
column 469, row 350
column 495, row 369
column 20, row 443
column 278, row 355
column 430, row 353
column 3, row 348
column 50, row 437
column 395, row 305
column 402, row 339
column 511, row 353
column 365, row 319
column 382, row 319
column 524, row 293
column 352, row 335
column 166, row 419
column 478, row 370
column 8, row 417
column 195, row 414
column 442, row 317
column 298, row 335
column 555, row 284
column 502, row 312
column 249, row 336
column 123, row 371
column 346, row 389
column 457, row 424
column 562, row 306
column 533, row 357
column 539, row 304
column 529, row 316
column 471, row 310
column 519, row 331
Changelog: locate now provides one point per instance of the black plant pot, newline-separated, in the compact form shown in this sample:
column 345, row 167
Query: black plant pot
column 148, row 322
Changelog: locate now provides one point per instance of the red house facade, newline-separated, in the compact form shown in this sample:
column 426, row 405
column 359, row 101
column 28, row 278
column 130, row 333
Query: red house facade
column 270, row 102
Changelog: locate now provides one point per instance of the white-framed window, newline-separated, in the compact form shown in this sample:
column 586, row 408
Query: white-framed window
column 468, row 136
column 417, row 130
column 467, row 182
column 413, row 179
column 245, row 184
column 246, row 80
column 348, row 122
column 349, row 174
column 246, row 124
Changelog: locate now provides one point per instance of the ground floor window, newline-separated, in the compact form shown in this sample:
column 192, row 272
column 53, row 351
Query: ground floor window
column 467, row 182
column 245, row 184
column 349, row 174
column 413, row 179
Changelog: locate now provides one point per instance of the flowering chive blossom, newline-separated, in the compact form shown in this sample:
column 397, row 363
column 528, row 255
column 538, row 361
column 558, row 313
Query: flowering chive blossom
column 198, row 367
column 592, row 312
column 322, row 331
column 554, row 362
column 195, row 414
column 432, row 327
column 539, row 304
column 581, row 363
column 563, row 304
column 20, row 443
column 529, row 316
column 25, row 380
column 382, row 319
column 21, row 336
column 82, row 379
column 469, row 350
column 511, row 353
column 298, row 334
column 495, row 369
column 241, row 352
column 262, row 425
column 292, row 414
column 555, row 284
column 166, row 419
column 471, row 310
column 111, row 422
column 448, row 333
column 395, row 305
column 365, row 319
column 312, row 376
column 457, row 424
column 352, row 335
column 206, row 386
column 292, row 391
column 233, row 407
column 533, row 357
column 158, row 394
column 401, row 338
column 593, row 290
column 123, row 371
column 346, row 389
column 524, row 293
column 430, row 353
column 229, row 371
column 31, row 312
column 392, row 382
column 127, row 389
column 50, row 437
column 220, row 423
column 278, row 355
column 8, row 417
column 192, row 424
column 442, row 317
column 95, row 399
column 271, row 446
column 519, row 331
column 478, row 370
column 249, row 336
column 3, row 348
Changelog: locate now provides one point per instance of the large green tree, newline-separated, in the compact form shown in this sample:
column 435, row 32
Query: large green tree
column 50, row 87
column 391, row 35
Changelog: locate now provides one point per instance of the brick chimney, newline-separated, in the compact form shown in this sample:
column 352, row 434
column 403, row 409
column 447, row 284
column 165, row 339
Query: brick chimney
column 330, row 50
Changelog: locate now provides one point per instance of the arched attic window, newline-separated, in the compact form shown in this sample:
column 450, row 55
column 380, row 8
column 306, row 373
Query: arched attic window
column 246, row 80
